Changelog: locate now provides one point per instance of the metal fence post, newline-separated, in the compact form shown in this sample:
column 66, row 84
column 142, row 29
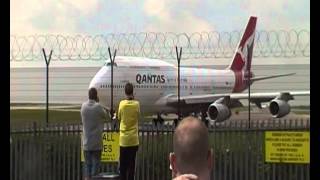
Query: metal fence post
column 34, row 128
column 248, row 74
column 179, row 59
column 47, row 82
column 112, row 58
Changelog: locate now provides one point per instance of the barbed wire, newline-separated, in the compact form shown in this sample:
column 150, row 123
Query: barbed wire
column 281, row 43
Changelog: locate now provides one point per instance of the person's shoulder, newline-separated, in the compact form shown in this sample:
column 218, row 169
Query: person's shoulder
column 84, row 104
column 122, row 101
column 136, row 102
column 98, row 105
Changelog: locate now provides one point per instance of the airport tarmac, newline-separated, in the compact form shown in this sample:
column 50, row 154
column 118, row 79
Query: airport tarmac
column 263, row 118
column 264, row 114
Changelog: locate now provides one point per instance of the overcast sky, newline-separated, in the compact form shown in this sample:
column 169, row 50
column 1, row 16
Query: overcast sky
column 129, row 16
column 93, row 17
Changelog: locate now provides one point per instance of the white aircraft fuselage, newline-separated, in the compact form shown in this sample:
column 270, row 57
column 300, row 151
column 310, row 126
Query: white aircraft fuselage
column 154, row 79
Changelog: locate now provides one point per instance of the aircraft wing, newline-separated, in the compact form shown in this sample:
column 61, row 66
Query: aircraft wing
column 218, row 105
column 254, row 97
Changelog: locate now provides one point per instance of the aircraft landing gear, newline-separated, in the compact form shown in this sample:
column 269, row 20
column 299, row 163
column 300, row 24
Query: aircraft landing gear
column 175, row 123
column 157, row 120
column 204, row 118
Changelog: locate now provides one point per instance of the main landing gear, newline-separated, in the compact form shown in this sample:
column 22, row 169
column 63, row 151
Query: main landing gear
column 158, row 120
column 202, row 116
column 204, row 119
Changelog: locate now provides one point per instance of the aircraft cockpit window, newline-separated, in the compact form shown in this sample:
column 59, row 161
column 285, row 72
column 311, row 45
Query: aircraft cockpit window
column 109, row 64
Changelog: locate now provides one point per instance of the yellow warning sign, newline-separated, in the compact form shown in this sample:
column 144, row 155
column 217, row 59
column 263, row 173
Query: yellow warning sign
column 287, row 147
column 110, row 149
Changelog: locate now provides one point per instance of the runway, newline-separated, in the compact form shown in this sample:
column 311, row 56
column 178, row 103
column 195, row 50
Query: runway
column 263, row 119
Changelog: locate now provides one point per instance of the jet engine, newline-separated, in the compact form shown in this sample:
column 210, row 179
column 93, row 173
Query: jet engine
column 279, row 108
column 218, row 112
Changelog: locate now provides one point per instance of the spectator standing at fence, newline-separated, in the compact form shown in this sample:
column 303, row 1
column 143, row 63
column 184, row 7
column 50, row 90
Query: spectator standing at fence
column 192, row 156
column 128, row 115
column 92, row 115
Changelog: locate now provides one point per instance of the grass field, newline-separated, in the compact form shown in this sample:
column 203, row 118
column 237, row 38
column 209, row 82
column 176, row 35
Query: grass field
column 27, row 116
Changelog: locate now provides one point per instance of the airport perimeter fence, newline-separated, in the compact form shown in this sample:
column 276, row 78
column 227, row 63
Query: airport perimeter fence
column 161, row 45
column 52, row 152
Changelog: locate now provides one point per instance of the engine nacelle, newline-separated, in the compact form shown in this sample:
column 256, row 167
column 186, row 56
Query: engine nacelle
column 218, row 112
column 279, row 108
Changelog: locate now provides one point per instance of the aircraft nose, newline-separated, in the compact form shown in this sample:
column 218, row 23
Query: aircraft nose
column 93, row 82
column 98, row 78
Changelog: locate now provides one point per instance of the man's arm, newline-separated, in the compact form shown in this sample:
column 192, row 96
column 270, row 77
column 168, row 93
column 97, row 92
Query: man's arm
column 81, row 112
column 119, row 112
column 139, row 112
column 103, row 112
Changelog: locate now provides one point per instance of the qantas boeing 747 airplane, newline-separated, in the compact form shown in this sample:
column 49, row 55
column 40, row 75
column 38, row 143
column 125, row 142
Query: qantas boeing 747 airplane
column 210, row 92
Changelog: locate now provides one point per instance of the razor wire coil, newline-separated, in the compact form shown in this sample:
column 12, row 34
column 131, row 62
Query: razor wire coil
column 280, row 43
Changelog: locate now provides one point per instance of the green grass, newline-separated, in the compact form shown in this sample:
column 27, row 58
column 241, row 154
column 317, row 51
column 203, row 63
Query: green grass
column 306, row 112
column 27, row 116
column 20, row 117
column 301, row 107
column 40, row 104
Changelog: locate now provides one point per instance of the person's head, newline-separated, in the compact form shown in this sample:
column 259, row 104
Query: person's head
column 191, row 150
column 128, row 89
column 93, row 94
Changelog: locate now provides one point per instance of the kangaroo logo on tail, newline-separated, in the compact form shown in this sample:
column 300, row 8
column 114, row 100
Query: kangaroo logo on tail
column 241, row 63
column 243, row 55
